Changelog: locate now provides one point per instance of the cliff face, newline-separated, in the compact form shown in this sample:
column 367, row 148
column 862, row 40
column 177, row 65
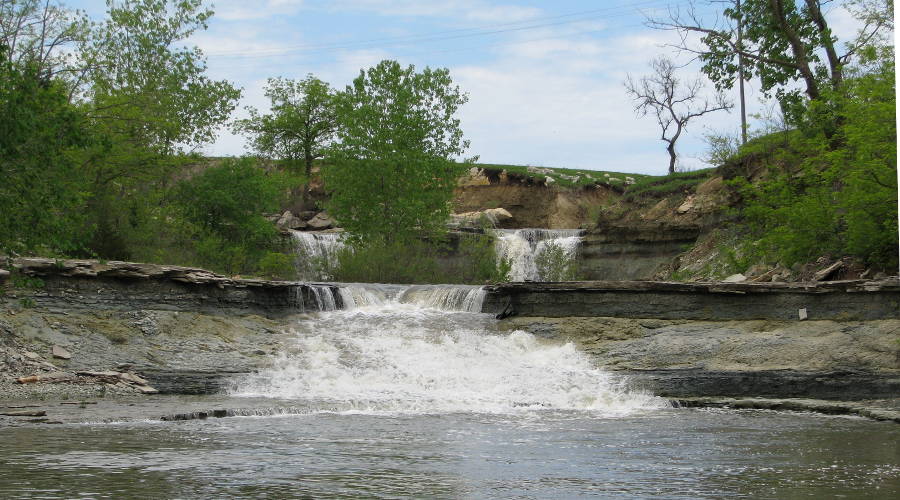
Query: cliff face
column 626, row 238
column 634, row 251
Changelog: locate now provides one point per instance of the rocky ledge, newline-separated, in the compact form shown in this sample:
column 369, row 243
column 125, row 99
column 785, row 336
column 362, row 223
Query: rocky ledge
column 834, row 300
column 116, row 285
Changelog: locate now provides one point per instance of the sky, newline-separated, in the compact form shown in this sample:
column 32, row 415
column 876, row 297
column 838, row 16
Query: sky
column 544, row 78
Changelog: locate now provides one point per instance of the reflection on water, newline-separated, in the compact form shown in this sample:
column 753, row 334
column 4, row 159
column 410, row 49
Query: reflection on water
column 666, row 453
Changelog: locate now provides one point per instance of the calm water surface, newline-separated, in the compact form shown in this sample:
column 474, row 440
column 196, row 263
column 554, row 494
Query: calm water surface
column 671, row 453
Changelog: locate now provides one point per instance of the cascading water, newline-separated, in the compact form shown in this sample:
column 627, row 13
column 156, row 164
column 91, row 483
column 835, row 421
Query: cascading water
column 415, row 349
column 314, row 298
column 524, row 247
column 315, row 253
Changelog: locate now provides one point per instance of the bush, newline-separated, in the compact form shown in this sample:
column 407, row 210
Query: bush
column 421, row 261
column 275, row 265
column 222, row 207
column 555, row 264
column 832, row 193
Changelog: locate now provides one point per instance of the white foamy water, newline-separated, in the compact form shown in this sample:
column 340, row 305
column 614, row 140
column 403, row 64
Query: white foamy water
column 523, row 246
column 398, row 357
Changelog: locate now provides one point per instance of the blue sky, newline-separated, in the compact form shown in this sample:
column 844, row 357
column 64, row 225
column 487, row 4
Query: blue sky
column 544, row 78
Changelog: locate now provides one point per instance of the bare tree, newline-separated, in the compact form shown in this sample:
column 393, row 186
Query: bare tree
column 673, row 102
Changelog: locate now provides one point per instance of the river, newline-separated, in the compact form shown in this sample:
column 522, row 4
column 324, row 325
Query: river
column 405, row 393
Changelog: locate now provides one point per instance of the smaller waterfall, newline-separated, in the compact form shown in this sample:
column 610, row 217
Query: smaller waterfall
column 463, row 298
column 316, row 253
column 314, row 298
column 525, row 247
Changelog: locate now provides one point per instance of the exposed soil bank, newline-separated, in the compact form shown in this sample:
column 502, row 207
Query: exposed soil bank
column 188, row 331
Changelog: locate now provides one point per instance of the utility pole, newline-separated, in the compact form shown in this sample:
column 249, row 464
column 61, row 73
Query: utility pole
column 740, row 47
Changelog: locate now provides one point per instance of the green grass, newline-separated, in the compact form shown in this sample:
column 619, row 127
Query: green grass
column 665, row 185
column 564, row 177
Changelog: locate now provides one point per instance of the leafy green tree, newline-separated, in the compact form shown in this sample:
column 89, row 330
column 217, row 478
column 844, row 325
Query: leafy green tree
column 780, row 42
column 818, row 199
column 151, row 101
column 224, row 205
column 300, row 125
column 391, row 174
column 41, row 189
column 41, row 35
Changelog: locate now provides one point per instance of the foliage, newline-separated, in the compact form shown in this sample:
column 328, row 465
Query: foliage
column 555, row 264
column 391, row 174
column 224, row 206
column 37, row 34
column 41, row 187
column 662, row 186
column 150, row 101
column 421, row 261
column 780, row 43
column 673, row 101
column 300, row 125
column 820, row 199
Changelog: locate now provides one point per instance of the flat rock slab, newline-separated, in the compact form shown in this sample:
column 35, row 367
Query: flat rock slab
column 60, row 352
column 794, row 404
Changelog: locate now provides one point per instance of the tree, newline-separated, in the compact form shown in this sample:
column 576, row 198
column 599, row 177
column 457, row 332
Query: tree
column 41, row 190
column 780, row 42
column 151, row 102
column 37, row 33
column 391, row 172
column 223, row 206
column 300, row 125
column 672, row 102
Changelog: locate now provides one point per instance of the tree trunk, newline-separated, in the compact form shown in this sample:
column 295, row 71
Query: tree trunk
column 671, row 149
column 797, row 49
column 308, row 161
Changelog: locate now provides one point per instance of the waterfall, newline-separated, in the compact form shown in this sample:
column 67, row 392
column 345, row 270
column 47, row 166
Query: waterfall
column 402, row 354
column 317, row 298
column 316, row 253
column 312, row 297
column 525, row 247
column 464, row 298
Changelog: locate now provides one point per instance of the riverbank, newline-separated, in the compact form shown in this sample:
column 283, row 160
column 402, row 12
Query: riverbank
column 89, row 326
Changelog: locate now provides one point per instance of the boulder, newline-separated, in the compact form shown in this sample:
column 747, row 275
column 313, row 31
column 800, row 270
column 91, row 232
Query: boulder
column 687, row 206
column 289, row 221
column 494, row 216
column 320, row 221
column 59, row 352
column 735, row 278
column 4, row 275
